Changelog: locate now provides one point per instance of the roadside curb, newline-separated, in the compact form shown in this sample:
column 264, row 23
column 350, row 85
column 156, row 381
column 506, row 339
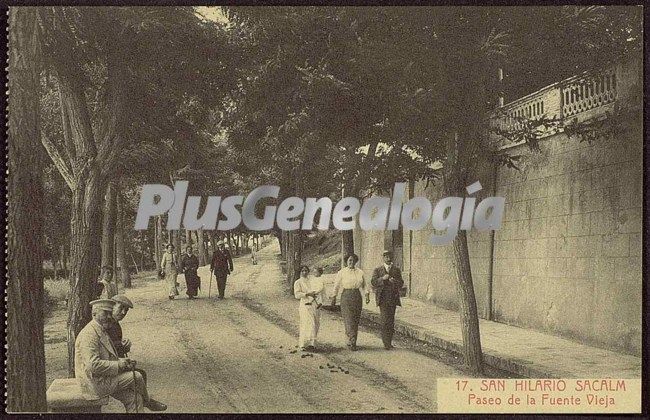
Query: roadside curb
column 490, row 357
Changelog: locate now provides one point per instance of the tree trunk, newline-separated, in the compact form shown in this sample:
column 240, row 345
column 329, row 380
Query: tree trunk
column 135, row 264
column 348, row 242
column 298, row 244
column 290, row 258
column 91, row 151
column 85, row 256
column 282, row 239
column 64, row 261
column 54, row 264
column 115, row 269
column 25, row 363
column 158, row 242
column 200, row 244
column 108, row 224
column 108, row 232
column 213, row 240
column 142, row 249
column 188, row 237
column 454, row 176
column 120, row 248
column 177, row 244
column 467, row 305
column 229, row 237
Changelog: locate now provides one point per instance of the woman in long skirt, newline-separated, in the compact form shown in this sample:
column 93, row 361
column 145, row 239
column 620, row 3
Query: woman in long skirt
column 310, row 292
column 169, row 265
column 352, row 281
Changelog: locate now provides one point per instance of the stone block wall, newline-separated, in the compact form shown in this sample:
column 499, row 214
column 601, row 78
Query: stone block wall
column 567, row 259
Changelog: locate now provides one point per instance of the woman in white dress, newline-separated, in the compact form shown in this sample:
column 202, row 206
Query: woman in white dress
column 310, row 292
column 169, row 265
column 351, row 279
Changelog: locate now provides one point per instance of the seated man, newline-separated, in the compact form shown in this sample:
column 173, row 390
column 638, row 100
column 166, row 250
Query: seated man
column 114, row 330
column 99, row 369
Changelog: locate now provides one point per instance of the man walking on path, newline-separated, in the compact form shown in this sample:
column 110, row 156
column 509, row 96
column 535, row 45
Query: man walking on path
column 221, row 266
column 189, row 265
column 387, row 282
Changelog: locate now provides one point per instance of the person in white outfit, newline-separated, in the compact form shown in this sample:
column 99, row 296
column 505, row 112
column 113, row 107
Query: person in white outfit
column 310, row 292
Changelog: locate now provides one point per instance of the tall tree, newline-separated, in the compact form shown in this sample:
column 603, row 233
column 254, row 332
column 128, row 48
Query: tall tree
column 109, row 219
column 25, row 342
column 121, row 244
column 107, row 60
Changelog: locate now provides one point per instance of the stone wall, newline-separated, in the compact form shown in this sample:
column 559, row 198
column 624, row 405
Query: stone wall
column 567, row 259
column 568, row 256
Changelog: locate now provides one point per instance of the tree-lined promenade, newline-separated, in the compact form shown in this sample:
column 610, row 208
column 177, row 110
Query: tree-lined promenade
column 320, row 101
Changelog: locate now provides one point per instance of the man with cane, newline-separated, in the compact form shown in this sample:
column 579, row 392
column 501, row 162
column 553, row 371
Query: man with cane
column 221, row 266
column 122, row 346
column 100, row 371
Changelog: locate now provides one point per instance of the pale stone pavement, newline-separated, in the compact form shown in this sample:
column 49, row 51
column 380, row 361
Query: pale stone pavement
column 521, row 351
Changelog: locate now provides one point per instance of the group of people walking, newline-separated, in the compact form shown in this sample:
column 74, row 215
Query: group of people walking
column 221, row 266
column 102, row 364
column 386, row 281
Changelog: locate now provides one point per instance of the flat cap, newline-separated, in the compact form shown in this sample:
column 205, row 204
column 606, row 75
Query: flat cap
column 105, row 304
column 123, row 300
column 387, row 252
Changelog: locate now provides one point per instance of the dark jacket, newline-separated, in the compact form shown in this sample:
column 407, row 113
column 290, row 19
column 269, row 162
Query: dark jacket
column 221, row 262
column 189, row 264
column 114, row 331
column 387, row 293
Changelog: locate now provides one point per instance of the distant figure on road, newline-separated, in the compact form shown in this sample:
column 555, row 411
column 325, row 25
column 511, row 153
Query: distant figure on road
column 169, row 266
column 221, row 266
column 387, row 282
column 352, row 281
column 310, row 292
column 251, row 246
column 189, row 265
column 109, row 286
column 99, row 369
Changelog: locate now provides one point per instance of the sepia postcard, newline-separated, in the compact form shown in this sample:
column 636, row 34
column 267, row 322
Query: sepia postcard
column 325, row 209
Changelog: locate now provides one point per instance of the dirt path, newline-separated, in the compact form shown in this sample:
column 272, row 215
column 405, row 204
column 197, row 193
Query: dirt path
column 238, row 355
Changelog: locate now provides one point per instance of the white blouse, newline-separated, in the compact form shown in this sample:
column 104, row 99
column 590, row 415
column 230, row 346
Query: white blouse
column 304, row 285
column 350, row 278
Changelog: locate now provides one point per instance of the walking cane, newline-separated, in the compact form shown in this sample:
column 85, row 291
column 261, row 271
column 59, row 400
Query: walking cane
column 135, row 391
column 210, row 286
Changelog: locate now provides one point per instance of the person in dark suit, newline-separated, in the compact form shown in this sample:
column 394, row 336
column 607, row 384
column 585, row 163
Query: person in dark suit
column 221, row 266
column 189, row 265
column 387, row 282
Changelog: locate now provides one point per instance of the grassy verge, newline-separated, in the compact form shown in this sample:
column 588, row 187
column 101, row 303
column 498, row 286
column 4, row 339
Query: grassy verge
column 323, row 249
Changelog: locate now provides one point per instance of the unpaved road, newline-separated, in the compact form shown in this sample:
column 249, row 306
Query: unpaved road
column 238, row 355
